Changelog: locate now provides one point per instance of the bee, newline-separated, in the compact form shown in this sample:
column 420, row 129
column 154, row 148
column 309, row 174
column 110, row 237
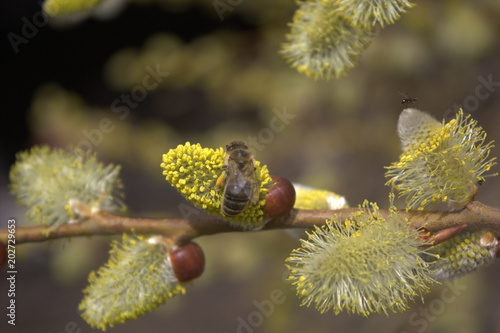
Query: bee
column 241, row 185
column 407, row 99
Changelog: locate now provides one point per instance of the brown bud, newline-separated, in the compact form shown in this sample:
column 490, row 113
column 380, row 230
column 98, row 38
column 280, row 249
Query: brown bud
column 3, row 255
column 187, row 261
column 426, row 236
column 280, row 198
column 430, row 239
column 445, row 234
column 488, row 239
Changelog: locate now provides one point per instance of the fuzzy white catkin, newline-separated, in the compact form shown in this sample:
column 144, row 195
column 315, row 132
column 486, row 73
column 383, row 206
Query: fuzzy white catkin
column 413, row 125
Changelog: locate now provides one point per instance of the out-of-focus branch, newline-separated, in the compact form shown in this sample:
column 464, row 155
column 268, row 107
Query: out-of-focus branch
column 475, row 216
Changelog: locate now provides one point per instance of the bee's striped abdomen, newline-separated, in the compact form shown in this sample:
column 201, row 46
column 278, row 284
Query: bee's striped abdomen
column 234, row 203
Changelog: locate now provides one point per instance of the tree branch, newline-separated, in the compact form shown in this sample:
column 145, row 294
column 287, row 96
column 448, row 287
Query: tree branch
column 474, row 216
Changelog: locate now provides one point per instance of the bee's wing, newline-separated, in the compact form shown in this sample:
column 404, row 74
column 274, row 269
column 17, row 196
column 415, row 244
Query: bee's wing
column 252, row 188
column 249, row 184
column 235, row 178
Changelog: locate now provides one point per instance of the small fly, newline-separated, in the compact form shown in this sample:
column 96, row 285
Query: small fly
column 407, row 99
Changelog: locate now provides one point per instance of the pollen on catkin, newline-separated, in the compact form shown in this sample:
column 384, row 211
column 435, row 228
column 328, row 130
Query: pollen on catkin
column 49, row 181
column 310, row 198
column 372, row 12
column 440, row 162
column 323, row 43
column 194, row 170
column 137, row 279
column 462, row 254
column 366, row 265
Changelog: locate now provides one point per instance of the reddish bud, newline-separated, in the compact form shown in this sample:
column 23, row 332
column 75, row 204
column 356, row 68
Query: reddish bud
column 280, row 198
column 426, row 236
column 187, row 261
column 431, row 239
column 488, row 239
column 445, row 234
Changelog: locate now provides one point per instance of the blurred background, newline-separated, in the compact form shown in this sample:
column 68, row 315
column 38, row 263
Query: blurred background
column 104, row 83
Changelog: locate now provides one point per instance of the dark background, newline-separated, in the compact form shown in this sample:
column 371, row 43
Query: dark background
column 342, row 137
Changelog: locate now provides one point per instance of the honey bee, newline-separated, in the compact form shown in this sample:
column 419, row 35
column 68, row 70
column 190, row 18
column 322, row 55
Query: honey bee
column 407, row 98
column 241, row 185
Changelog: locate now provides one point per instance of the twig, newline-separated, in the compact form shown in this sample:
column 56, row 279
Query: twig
column 475, row 216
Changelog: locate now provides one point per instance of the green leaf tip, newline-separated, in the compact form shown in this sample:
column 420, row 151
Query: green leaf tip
column 194, row 171
column 366, row 265
column 49, row 182
column 440, row 162
column 137, row 279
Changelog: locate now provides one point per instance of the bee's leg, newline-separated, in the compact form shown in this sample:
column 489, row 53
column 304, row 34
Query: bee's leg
column 222, row 176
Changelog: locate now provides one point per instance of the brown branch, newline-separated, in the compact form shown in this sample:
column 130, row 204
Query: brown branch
column 475, row 216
